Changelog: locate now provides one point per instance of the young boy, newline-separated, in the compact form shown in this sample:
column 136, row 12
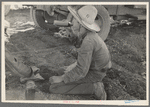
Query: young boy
column 85, row 76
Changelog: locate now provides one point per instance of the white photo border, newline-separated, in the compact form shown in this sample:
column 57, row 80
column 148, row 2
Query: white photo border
column 85, row 102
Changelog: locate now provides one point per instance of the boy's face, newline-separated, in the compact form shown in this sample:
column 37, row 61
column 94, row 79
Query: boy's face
column 76, row 27
column 76, row 31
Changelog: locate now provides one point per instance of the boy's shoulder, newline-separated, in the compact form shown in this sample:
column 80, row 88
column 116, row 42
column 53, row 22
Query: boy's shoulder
column 92, row 36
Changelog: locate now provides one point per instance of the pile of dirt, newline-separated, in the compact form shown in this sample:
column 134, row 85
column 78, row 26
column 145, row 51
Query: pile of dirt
column 37, row 47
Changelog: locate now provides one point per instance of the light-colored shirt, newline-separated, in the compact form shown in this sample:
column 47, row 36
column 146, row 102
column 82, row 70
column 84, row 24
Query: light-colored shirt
column 93, row 55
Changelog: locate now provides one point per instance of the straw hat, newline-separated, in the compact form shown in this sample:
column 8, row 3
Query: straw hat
column 86, row 17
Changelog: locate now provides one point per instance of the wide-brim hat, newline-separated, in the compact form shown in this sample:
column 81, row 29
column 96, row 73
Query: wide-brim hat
column 86, row 17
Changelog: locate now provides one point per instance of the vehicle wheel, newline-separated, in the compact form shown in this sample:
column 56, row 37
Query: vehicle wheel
column 39, row 19
column 43, row 19
column 103, row 20
column 32, row 15
column 7, row 9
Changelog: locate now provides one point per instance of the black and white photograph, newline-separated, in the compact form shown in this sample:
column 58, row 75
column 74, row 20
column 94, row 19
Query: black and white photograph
column 75, row 52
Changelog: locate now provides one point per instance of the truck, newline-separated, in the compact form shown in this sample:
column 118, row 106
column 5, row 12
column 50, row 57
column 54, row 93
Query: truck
column 44, row 15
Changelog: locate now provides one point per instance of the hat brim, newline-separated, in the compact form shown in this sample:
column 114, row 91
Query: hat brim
column 91, row 27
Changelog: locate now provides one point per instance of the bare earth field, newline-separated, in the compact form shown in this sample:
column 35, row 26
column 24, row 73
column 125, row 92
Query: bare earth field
column 37, row 47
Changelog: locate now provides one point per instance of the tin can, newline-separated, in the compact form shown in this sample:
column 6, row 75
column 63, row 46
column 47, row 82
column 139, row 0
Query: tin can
column 30, row 90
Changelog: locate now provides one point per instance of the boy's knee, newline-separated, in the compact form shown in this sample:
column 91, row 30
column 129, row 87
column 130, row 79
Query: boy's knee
column 52, row 88
column 57, row 88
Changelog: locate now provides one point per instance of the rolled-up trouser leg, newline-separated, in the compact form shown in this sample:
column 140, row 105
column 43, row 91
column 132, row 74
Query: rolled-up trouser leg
column 72, row 88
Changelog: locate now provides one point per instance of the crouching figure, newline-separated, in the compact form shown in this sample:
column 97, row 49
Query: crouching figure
column 84, row 76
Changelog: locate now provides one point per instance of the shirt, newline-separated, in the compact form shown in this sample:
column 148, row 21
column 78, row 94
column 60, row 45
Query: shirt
column 93, row 55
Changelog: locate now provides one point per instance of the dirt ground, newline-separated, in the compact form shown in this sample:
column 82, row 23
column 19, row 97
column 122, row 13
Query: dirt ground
column 37, row 47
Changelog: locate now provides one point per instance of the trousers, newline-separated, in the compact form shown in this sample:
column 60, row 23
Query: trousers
column 72, row 88
column 77, row 87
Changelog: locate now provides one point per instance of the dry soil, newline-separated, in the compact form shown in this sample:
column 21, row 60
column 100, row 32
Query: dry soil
column 37, row 47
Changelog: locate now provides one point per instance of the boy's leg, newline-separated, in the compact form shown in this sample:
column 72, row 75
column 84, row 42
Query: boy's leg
column 96, row 89
column 72, row 88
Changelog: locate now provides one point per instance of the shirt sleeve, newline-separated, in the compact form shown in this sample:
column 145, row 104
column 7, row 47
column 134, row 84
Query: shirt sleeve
column 83, row 62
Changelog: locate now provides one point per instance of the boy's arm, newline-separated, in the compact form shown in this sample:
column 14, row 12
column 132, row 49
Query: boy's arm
column 83, row 62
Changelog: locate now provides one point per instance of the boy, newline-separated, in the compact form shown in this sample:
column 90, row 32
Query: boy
column 85, row 76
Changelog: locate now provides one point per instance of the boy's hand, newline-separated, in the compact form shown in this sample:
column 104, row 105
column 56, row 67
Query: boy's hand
column 55, row 79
